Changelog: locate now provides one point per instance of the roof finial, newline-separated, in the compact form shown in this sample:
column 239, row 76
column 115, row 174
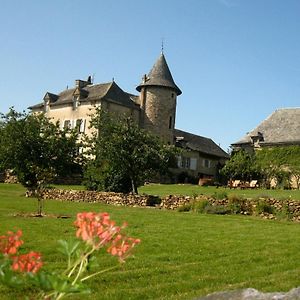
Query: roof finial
column 162, row 45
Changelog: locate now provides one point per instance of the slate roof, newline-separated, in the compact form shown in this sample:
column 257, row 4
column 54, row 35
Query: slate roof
column 107, row 91
column 199, row 143
column 281, row 127
column 160, row 75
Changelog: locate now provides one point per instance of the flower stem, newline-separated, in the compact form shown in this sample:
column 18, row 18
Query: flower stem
column 97, row 273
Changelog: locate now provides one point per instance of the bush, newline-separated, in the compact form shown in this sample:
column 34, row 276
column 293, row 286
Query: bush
column 153, row 200
column 185, row 208
column 201, row 206
column 217, row 209
column 264, row 207
column 220, row 195
column 237, row 204
column 184, row 177
column 285, row 213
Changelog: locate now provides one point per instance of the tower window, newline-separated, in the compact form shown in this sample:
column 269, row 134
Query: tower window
column 170, row 122
column 172, row 95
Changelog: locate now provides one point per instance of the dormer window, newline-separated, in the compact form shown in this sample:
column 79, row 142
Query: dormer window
column 76, row 101
column 257, row 138
column 47, row 106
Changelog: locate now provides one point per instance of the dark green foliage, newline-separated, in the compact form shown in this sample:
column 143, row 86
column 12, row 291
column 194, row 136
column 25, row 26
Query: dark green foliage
column 237, row 204
column 217, row 210
column 153, row 201
column 242, row 165
column 185, row 207
column 184, row 177
column 201, row 206
column 36, row 150
column 219, row 195
column 280, row 163
column 123, row 155
column 263, row 206
column 284, row 213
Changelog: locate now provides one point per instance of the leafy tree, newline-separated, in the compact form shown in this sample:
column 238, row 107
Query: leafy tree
column 36, row 149
column 124, row 155
column 241, row 165
column 280, row 163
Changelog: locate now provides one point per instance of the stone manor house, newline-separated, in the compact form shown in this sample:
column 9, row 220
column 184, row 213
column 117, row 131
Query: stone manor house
column 154, row 109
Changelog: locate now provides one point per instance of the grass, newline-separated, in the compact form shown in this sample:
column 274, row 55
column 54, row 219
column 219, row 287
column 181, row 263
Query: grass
column 182, row 255
column 191, row 190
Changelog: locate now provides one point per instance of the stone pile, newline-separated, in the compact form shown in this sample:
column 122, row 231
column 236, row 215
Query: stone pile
column 99, row 197
column 252, row 294
column 174, row 202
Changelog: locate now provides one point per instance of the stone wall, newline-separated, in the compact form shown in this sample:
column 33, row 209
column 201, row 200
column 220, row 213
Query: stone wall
column 173, row 202
column 100, row 197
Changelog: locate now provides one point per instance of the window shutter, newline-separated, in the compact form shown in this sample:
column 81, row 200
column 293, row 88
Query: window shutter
column 193, row 163
column 179, row 161
column 82, row 125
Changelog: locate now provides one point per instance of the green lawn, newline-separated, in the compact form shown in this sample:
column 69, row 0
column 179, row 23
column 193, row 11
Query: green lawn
column 182, row 255
column 191, row 190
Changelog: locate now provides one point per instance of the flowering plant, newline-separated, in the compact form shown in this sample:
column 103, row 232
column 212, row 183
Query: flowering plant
column 94, row 230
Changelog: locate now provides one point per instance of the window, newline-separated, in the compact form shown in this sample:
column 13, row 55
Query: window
column 78, row 125
column 76, row 102
column 184, row 162
column 170, row 122
column 206, row 163
column 67, row 124
column 187, row 162
column 47, row 106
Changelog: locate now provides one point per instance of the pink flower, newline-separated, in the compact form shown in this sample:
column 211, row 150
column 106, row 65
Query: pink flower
column 121, row 246
column 95, row 229
column 30, row 262
column 10, row 243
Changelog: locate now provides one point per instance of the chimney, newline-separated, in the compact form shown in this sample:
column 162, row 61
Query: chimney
column 83, row 83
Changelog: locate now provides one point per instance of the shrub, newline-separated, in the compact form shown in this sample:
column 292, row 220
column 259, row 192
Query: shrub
column 217, row 209
column 220, row 195
column 185, row 207
column 264, row 207
column 285, row 213
column 153, row 200
column 237, row 204
column 201, row 206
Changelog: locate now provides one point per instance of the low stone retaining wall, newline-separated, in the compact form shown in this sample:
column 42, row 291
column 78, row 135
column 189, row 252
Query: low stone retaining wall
column 100, row 197
column 288, row 208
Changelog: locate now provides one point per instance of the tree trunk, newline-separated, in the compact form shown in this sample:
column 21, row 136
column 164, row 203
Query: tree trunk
column 134, row 187
column 40, row 202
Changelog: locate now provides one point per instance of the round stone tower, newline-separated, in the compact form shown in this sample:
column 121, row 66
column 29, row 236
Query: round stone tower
column 158, row 96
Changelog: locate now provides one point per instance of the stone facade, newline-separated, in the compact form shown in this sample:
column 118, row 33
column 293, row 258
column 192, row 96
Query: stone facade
column 159, row 109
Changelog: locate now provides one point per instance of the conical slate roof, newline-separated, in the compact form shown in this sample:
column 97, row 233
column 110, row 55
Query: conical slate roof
column 160, row 75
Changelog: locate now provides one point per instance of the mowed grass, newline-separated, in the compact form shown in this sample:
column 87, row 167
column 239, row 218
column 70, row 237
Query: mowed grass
column 181, row 256
column 192, row 190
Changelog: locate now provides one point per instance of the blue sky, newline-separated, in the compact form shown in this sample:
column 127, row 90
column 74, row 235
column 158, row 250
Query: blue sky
column 236, row 61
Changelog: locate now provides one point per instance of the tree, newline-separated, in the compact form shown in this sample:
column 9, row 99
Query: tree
column 36, row 149
column 241, row 165
column 280, row 163
column 123, row 155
